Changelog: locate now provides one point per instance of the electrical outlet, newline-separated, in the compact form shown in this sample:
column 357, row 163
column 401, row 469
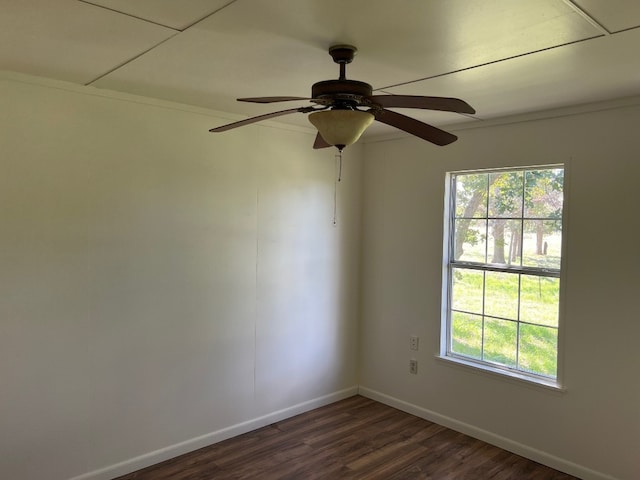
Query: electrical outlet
column 413, row 366
column 413, row 342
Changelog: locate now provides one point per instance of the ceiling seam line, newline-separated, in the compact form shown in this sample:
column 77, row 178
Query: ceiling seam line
column 126, row 62
column 589, row 18
column 622, row 30
column 87, row 2
column 208, row 15
column 486, row 63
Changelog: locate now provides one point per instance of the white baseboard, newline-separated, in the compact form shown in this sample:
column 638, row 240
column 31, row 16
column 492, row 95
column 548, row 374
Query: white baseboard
column 190, row 445
column 486, row 436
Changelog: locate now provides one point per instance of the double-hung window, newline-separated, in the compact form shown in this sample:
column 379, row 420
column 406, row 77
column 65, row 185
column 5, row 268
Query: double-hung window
column 502, row 277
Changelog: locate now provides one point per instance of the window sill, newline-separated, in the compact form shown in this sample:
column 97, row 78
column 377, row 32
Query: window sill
column 503, row 374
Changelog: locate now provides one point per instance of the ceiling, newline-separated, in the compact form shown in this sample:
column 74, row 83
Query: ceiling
column 504, row 57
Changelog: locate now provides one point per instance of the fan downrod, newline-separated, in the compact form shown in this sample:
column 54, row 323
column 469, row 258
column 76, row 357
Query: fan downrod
column 341, row 93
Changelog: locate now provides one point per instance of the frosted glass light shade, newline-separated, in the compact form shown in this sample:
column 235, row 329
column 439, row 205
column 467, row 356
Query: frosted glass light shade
column 341, row 127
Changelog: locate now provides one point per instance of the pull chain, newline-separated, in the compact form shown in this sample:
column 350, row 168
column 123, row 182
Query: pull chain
column 338, row 178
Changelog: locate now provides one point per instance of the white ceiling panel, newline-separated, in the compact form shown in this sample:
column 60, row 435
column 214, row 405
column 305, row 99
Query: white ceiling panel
column 503, row 56
column 70, row 40
column 614, row 15
column 171, row 13
column 598, row 70
column 262, row 47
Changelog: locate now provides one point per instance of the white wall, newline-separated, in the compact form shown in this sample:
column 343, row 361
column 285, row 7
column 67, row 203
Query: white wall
column 593, row 428
column 163, row 288
column 161, row 284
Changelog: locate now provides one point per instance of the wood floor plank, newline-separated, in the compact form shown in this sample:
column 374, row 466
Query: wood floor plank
column 354, row 439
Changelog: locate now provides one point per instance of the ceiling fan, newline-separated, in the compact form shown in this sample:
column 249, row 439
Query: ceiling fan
column 345, row 108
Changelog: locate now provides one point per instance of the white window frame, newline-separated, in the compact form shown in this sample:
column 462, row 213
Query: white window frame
column 477, row 365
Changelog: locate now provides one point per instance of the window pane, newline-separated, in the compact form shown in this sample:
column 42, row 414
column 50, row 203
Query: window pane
column 538, row 349
column 466, row 334
column 539, row 300
column 467, row 290
column 500, row 341
column 505, row 194
column 471, row 240
column 471, row 195
column 504, row 242
column 501, row 295
column 542, row 243
column 543, row 193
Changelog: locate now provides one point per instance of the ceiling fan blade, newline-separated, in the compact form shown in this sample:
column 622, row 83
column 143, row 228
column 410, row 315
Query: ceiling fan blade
column 259, row 118
column 271, row 99
column 415, row 127
column 429, row 103
column 320, row 142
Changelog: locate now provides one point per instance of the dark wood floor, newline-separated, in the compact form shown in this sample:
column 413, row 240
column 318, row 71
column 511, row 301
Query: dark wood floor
column 356, row 438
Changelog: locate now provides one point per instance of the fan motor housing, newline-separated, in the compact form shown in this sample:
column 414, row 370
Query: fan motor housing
column 349, row 91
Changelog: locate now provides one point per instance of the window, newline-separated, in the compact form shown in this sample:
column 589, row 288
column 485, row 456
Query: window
column 503, row 251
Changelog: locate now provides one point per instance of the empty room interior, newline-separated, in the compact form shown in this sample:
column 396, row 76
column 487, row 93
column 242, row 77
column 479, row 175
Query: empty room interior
column 164, row 287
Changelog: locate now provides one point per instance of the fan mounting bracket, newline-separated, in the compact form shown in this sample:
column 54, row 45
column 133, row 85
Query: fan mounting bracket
column 342, row 53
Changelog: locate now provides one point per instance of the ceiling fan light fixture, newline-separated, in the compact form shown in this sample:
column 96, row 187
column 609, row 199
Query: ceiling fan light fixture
column 341, row 127
column 336, row 114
